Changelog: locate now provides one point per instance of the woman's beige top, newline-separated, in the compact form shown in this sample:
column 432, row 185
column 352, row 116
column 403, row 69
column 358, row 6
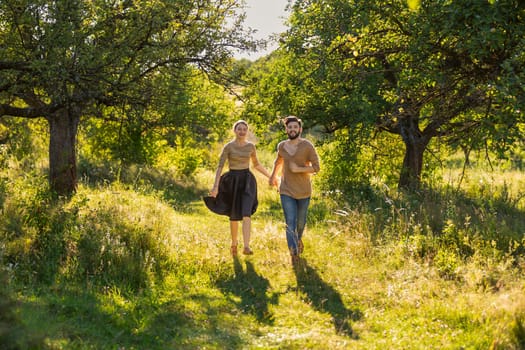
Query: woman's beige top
column 298, row 185
column 238, row 156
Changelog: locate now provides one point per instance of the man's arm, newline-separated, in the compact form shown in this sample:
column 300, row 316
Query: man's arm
column 312, row 165
column 294, row 168
column 277, row 166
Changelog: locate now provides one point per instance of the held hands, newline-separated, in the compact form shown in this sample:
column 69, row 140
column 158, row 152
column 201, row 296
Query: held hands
column 273, row 181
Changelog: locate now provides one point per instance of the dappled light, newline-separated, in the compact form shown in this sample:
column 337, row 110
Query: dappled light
column 113, row 116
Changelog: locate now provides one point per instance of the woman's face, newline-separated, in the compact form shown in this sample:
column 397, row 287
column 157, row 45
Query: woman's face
column 241, row 130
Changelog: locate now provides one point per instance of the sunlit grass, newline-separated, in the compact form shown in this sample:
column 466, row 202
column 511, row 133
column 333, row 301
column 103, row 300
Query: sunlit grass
column 379, row 278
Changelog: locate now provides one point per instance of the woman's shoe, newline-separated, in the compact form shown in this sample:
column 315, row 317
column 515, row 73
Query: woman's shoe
column 247, row 251
column 233, row 250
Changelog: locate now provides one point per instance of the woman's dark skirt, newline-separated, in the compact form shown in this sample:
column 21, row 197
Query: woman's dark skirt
column 237, row 195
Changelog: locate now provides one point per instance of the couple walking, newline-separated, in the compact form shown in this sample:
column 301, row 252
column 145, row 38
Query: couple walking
column 234, row 193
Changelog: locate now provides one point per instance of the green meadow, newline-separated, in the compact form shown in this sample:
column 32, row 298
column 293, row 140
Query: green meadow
column 139, row 263
column 113, row 115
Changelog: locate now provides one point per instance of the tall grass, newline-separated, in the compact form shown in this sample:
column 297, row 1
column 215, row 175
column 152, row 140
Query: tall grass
column 138, row 262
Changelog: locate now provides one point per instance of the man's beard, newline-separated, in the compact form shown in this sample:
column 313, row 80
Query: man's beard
column 293, row 137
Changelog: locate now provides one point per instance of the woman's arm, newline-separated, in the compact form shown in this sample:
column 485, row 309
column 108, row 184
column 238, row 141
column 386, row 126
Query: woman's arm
column 262, row 170
column 222, row 159
column 215, row 189
column 256, row 165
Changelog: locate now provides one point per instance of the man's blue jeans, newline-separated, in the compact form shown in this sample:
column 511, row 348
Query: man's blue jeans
column 295, row 216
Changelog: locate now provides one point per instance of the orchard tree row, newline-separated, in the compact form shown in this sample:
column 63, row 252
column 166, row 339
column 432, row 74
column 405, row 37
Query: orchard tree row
column 150, row 70
column 443, row 70
column 131, row 63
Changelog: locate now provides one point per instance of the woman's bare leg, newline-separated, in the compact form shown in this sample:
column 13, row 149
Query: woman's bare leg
column 246, row 231
column 234, row 229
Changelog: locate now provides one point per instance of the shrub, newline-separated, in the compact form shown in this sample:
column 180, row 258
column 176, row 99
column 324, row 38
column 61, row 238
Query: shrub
column 184, row 160
column 124, row 239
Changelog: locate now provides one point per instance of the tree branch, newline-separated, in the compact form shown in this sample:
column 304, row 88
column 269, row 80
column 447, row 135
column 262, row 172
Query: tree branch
column 20, row 66
column 28, row 112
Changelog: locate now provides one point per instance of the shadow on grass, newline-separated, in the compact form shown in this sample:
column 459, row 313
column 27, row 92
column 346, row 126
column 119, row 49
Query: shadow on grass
column 252, row 289
column 81, row 319
column 325, row 298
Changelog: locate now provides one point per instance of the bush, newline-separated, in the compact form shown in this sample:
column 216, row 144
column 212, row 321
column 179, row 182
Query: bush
column 184, row 161
column 107, row 237
column 123, row 239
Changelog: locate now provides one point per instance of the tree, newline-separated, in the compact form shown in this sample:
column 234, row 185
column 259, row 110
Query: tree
column 190, row 111
column 67, row 59
column 450, row 69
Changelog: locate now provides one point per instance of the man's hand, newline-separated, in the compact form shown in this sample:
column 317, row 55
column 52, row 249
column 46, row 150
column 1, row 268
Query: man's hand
column 294, row 168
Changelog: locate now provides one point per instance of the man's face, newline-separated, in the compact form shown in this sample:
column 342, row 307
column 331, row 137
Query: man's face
column 293, row 129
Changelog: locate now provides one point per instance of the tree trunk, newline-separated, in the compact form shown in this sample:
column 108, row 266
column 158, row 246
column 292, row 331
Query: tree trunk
column 410, row 178
column 415, row 145
column 63, row 127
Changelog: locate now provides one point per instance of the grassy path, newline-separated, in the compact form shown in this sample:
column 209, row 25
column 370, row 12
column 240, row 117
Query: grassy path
column 346, row 293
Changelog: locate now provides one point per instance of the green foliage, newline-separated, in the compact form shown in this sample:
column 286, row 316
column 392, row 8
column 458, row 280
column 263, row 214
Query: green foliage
column 350, row 166
column 85, row 240
column 43, row 238
column 172, row 134
column 13, row 334
column 518, row 329
column 24, row 216
column 67, row 61
column 135, row 260
column 447, row 263
column 184, row 160
column 24, row 143
column 51, row 247
column 124, row 245
column 340, row 166
column 8, row 318
column 428, row 70
column 126, row 140
column 194, row 109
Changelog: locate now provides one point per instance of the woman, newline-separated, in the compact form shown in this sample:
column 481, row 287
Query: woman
column 234, row 194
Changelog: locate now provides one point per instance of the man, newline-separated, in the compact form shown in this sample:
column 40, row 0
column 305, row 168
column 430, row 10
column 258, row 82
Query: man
column 297, row 160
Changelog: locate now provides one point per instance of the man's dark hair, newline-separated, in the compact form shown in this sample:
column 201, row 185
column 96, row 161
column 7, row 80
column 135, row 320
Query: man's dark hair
column 292, row 118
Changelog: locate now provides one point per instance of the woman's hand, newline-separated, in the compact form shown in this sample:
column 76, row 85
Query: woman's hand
column 273, row 181
column 214, row 191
